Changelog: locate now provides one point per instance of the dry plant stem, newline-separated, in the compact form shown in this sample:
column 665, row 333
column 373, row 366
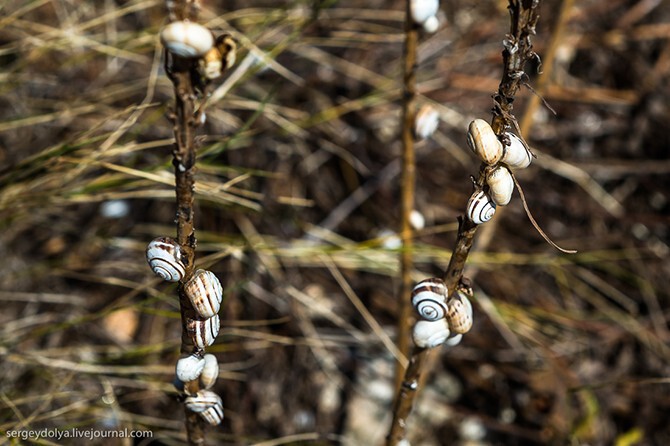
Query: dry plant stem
column 517, row 51
column 408, row 179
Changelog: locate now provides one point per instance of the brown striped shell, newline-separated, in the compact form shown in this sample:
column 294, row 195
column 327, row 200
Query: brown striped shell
column 205, row 293
column 203, row 332
column 459, row 314
column 429, row 298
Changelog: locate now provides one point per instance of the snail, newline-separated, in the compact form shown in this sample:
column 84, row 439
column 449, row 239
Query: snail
column 501, row 185
column 454, row 340
column 426, row 121
column 219, row 58
column 429, row 334
column 459, row 314
column 165, row 259
column 431, row 24
column 480, row 208
column 203, row 332
column 484, row 142
column 429, row 298
column 190, row 367
column 205, row 293
column 187, row 39
column 210, row 372
column 423, row 10
column 516, row 155
column 213, row 414
column 207, row 404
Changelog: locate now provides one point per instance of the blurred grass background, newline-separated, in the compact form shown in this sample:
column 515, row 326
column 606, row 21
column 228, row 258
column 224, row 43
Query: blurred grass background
column 297, row 209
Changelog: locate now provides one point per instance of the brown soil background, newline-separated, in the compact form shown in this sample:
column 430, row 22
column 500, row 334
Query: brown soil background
column 298, row 197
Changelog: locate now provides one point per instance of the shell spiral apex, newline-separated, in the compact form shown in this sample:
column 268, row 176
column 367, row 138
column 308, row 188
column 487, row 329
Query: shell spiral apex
column 429, row 298
column 165, row 259
column 480, row 208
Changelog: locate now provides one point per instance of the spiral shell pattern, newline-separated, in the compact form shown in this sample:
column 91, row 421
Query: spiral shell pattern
column 210, row 372
column 202, row 400
column 165, row 260
column 459, row 315
column 189, row 368
column 205, row 293
column 484, row 142
column 480, row 208
column 429, row 334
column 203, row 332
column 213, row 415
column 429, row 298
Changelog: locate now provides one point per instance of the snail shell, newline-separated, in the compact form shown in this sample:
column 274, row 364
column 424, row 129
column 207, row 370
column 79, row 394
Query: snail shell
column 429, row 334
column 517, row 155
column 213, row 414
column 187, row 39
column 422, row 10
column 431, row 24
column 429, row 298
column 484, row 142
column 205, row 293
column 459, row 315
column 189, row 368
column 220, row 57
column 165, row 259
column 480, row 208
column 426, row 121
column 210, row 372
column 203, row 332
column 454, row 340
column 501, row 185
column 202, row 400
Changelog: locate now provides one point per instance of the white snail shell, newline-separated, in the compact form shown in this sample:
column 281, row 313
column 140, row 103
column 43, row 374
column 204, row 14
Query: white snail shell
column 431, row 24
column 517, row 155
column 189, row 368
column 203, row 332
column 187, row 39
column 454, row 340
column 426, row 121
column 205, row 293
column 422, row 10
column 480, row 208
column 202, row 400
column 213, row 414
column 459, row 315
column 501, row 185
column 429, row 334
column 429, row 298
column 165, row 259
column 210, row 372
column 484, row 142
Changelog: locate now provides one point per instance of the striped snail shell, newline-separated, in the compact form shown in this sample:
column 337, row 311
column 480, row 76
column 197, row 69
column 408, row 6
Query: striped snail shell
column 210, row 372
column 213, row 415
column 187, row 39
column 480, row 208
column 517, row 155
column 203, row 332
column 422, row 10
column 205, row 293
column 202, row 400
column 484, row 142
column 501, row 185
column 429, row 334
column 459, row 315
column 165, row 259
column 429, row 298
column 189, row 367
column 426, row 121
column 220, row 57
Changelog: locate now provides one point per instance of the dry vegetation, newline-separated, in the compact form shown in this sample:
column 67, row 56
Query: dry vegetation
column 297, row 194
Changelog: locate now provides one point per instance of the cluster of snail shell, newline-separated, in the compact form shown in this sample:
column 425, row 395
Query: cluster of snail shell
column 205, row 293
column 500, row 155
column 442, row 320
column 424, row 13
column 190, row 40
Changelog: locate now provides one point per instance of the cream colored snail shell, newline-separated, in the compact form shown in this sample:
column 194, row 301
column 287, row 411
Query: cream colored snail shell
column 187, row 39
column 422, row 10
column 203, row 332
column 189, row 368
column 202, row 400
column 454, row 340
column 213, row 415
column 517, row 155
column 219, row 58
column 205, row 293
column 165, row 259
column 429, row 334
column 429, row 298
column 480, row 208
column 501, row 185
column 431, row 24
column 459, row 315
column 426, row 121
column 210, row 372
column 484, row 142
